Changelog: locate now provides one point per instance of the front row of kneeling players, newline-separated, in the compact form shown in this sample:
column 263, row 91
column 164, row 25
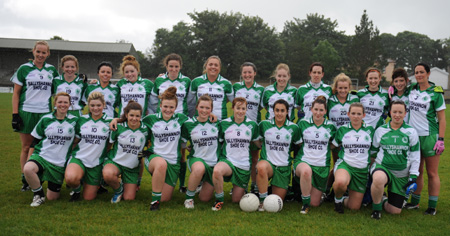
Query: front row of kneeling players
column 395, row 143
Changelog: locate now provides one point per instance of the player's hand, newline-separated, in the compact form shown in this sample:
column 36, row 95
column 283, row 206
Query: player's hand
column 83, row 77
column 411, row 186
column 143, row 154
column 439, row 147
column 113, row 124
column 390, row 91
column 213, row 118
column 16, row 122
column 93, row 81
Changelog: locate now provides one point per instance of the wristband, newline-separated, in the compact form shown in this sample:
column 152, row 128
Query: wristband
column 441, row 139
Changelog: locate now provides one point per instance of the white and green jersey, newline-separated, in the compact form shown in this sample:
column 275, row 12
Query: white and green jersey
column 337, row 111
column 36, row 87
column 182, row 83
column 127, row 144
column 219, row 91
column 423, row 106
column 277, row 142
column 397, row 150
column 316, row 140
column 253, row 95
column 93, row 135
column 306, row 95
column 139, row 91
column 75, row 89
column 375, row 105
column 111, row 94
column 204, row 138
column 56, row 138
column 166, row 135
column 405, row 99
column 356, row 144
column 236, row 140
column 271, row 95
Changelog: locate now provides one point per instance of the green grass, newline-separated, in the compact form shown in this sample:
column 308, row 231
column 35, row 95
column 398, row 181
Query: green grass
column 100, row 217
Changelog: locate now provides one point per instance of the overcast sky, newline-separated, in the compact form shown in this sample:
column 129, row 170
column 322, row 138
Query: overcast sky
column 137, row 20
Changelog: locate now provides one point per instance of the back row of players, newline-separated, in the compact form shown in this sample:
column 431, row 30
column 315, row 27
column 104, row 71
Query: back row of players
column 31, row 99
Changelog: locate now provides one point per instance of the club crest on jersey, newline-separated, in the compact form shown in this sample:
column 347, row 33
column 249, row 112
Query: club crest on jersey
column 213, row 130
column 78, row 91
column 141, row 139
column 405, row 140
column 425, row 98
column 110, row 96
column 70, row 130
column 366, row 138
column 380, row 103
column 287, row 137
column 247, row 133
column 105, row 130
column 140, row 89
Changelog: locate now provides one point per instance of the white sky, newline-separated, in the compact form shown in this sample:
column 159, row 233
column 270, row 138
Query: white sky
column 136, row 21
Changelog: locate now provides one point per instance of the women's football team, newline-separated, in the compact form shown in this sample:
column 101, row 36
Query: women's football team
column 369, row 152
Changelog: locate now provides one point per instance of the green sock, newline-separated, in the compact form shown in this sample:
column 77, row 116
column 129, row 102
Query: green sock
column 262, row 196
column 120, row 189
column 77, row 189
column 182, row 175
column 415, row 199
column 432, row 201
column 156, row 196
column 306, row 200
column 190, row 194
column 377, row 206
column 220, row 197
column 139, row 181
column 24, row 181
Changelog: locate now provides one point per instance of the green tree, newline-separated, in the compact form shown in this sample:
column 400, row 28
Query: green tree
column 56, row 37
column 329, row 57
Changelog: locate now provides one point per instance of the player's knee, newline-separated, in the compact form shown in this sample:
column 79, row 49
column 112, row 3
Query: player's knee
column 339, row 184
column 378, row 182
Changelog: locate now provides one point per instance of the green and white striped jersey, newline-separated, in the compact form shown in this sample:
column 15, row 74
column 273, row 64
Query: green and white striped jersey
column 182, row 83
column 56, row 138
column 111, row 94
column 356, row 144
column 423, row 106
column 219, row 91
column 236, row 140
column 398, row 150
column 375, row 105
column 204, row 138
column 306, row 95
column 337, row 111
column 36, row 87
column 316, row 140
column 166, row 135
column 93, row 135
column 139, row 91
column 277, row 142
column 253, row 95
column 271, row 95
column 75, row 89
column 127, row 144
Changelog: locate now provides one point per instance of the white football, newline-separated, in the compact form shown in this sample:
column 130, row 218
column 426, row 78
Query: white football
column 249, row 202
column 273, row 203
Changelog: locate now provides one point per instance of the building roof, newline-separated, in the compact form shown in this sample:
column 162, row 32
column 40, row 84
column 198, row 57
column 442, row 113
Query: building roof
column 69, row 45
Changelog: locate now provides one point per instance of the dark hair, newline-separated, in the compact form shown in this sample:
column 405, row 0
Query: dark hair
column 132, row 105
column 372, row 69
column 172, row 57
column 356, row 104
column 427, row 67
column 283, row 102
column 206, row 98
column 105, row 63
column 399, row 72
column 248, row 64
column 169, row 94
column 320, row 100
column 397, row 102
column 316, row 64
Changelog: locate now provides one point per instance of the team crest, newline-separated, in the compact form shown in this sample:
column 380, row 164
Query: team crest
column 140, row 89
column 366, row 138
column 405, row 140
column 110, row 96
column 425, row 98
column 380, row 103
column 213, row 130
column 70, row 130
column 105, row 130
column 141, row 139
column 247, row 133
column 287, row 137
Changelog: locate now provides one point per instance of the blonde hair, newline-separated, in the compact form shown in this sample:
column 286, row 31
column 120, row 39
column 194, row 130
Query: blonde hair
column 41, row 43
column 342, row 77
column 129, row 60
column 96, row 96
column 69, row 58
column 61, row 94
column 212, row 57
column 279, row 67
column 239, row 100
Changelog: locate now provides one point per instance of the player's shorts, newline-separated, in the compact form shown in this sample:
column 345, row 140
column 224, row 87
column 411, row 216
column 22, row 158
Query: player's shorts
column 239, row 177
column 395, row 184
column 319, row 176
column 92, row 176
column 207, row 176
column 358, row 177
column 76, row 113
column 281, row 175
column 129, row 175
column 29, row 121
column 427, row 144
column 50, row 173
column 172, row 171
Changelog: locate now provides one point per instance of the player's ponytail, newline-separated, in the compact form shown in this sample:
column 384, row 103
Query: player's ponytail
column 320, row 100
column 169, row 94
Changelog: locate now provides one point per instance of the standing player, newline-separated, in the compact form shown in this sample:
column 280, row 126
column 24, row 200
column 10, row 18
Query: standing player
column 129, row 139
column 277, row 134
column 281, row 89
column 86, row 162
column 308, row 93
column 400, row 82
column 253, row 93
column 397, row 162
column 71, row 83
column 234, row 166
column 53, row 137
column 110, row 91
column 427, row 116
column 213, row 84
column 312, row 163
column 351, row 171
column 164, row 163
column 204, row 138
column 31, row 97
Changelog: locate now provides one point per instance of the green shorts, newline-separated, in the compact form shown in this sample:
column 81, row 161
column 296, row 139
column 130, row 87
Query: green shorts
column 92, row 176
column 207, row 176
column 395, row 184
column 29, row 121
column 281, row 175
column 319, row 176
column 76, row 113
column 51, row 173
column 129, row 175
column 172, row 171
column 358, row 177
column 427, row 144
column 239, row 177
